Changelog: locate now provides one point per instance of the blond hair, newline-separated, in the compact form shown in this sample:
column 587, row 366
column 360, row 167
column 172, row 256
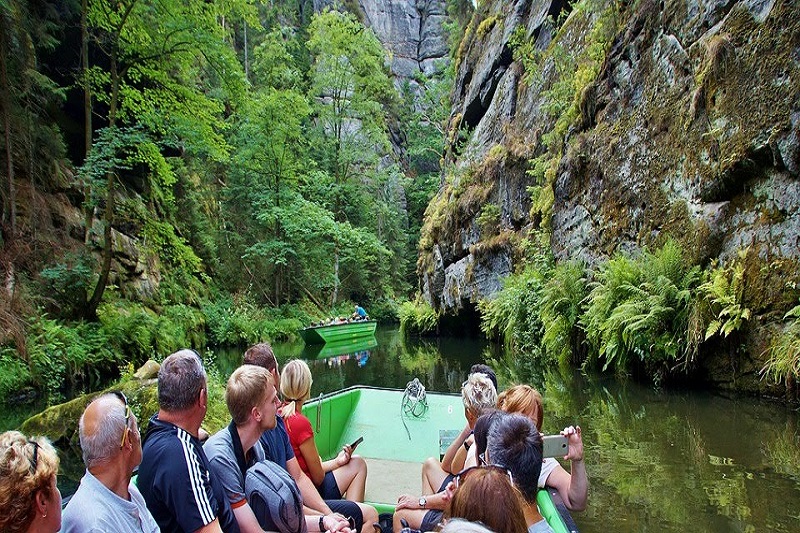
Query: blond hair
column 522, row 399
column 478, row 393
column 21, row 479
column 295, row 385
column 247, row 388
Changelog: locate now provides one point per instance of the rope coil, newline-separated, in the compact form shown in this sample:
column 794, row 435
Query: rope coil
column 414, row 403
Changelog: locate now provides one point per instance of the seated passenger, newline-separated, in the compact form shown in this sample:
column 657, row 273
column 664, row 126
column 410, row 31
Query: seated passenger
column 516, row 444
column 111, row 444
column 253, row 403
column 29, row 498
column 477, row 393
column 344, row 475
column 278, row 449
column 486, row 494
column 181, row 491
column 359, row 314
column 573, row 486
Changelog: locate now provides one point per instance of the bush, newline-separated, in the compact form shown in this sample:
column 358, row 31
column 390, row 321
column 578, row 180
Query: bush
column 784, row 352
column 417, row 318
column 638, row 310
column 514, row 314
column 561, row 308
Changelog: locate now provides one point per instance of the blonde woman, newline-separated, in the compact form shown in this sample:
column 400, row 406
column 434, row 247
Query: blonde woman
column 29, row 498
column 345, row 474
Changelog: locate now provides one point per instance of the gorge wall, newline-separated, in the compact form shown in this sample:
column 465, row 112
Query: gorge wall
column 687, row 125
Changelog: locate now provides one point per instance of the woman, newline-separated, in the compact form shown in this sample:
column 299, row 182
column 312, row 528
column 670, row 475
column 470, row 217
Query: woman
column 29, row 498
column 573, row 487
column 346, row 473
column 487, row 495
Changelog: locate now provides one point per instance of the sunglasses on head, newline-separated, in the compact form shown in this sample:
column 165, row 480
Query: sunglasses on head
column 35, row 460
column 464, row 474
column 124, row 401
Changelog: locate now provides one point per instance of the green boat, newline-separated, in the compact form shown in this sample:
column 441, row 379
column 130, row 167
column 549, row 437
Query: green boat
column 338, row 332
column 387, row 422
column 336, row 348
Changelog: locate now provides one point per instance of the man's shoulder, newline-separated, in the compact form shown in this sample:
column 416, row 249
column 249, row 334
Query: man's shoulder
column 219, row 443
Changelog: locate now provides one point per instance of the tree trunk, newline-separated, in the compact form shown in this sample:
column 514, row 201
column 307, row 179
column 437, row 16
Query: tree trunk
column 87, row 119
column 335, row 295
column 10, row 209
column 108, row 218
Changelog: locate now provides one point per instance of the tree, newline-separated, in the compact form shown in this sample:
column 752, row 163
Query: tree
column 156, row 52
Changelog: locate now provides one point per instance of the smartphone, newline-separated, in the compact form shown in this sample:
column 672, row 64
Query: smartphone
column 554, row 446
column 356, row 443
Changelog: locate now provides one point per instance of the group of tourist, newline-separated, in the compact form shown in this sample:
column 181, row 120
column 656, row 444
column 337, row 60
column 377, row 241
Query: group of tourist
column 493, row 469
column 263, row 472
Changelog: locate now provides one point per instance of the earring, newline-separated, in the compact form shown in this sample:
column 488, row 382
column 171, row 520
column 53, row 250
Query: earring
column 44, row 515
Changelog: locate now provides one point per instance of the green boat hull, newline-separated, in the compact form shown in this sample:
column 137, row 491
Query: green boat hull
column 334, row 349
column 338, row 332
column 394, row 461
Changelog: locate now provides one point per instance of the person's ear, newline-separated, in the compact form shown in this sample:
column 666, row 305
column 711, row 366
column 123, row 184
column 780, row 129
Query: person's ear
column 41, row 502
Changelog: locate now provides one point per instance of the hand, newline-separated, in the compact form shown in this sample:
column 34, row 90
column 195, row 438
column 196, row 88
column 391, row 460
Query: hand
column 334, row 523
column 344, row 456
column 448, row 492
column 407, row 501
column 574, row 442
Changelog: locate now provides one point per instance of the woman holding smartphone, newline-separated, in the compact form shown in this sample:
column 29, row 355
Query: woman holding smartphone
column 345, row 474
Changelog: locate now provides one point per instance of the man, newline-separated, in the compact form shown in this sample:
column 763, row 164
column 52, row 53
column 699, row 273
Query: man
column 181, row 491
column 253, row 403
column 359, row 313
column 515, row 443
column 278, row 449
column 478, row 394
column 106, row 500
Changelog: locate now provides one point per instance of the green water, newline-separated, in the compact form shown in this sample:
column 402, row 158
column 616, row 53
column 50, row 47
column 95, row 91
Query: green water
column 657, row 460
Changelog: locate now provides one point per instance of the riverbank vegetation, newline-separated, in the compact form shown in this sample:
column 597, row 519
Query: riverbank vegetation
column 184, row 173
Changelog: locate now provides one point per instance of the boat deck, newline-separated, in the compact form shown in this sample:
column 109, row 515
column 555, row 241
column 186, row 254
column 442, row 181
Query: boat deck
column 386, row 480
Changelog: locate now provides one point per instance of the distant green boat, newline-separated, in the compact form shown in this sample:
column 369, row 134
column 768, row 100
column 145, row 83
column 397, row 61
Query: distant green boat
column 336, row 348
column 394, row 462
column 340, row 332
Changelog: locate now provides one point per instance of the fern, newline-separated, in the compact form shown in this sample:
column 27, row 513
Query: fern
column 784, row 352
column 724, row 292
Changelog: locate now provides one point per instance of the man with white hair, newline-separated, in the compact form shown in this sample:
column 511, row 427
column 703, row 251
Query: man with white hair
column 106, row 500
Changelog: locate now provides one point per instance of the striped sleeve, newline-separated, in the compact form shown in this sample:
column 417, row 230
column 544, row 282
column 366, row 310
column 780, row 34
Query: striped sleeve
column 199, row 479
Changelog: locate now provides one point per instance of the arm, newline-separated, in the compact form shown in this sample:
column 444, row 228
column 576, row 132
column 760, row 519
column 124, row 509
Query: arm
column 315, row 469
column 573, row 487
column 436, row 501
column 472, row 457
column 453, row 449
column 311, row 497
column 213, row 527
column 248, row 523
column 331, row 522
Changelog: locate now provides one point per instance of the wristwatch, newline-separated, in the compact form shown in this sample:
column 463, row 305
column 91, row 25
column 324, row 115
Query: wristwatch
column 422, row 502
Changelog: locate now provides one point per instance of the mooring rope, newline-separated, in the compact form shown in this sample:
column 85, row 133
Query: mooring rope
column 414, row 403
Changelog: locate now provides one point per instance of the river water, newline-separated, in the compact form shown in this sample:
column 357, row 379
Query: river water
column 658, row 460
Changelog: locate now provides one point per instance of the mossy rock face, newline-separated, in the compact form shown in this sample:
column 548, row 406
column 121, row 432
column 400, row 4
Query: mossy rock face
column 59, row 423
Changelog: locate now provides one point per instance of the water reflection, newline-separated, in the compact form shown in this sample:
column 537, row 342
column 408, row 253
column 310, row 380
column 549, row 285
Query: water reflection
column 657, row 460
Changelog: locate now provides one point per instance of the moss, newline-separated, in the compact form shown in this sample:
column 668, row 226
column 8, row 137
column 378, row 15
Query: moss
column 486, row 26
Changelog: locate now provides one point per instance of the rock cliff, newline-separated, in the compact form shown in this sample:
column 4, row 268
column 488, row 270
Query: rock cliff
column 606, row 126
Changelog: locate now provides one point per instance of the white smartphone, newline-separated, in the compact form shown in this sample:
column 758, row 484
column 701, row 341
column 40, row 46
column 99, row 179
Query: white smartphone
column 554, row 446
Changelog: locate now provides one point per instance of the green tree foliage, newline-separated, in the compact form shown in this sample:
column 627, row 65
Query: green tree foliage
column 417, row 318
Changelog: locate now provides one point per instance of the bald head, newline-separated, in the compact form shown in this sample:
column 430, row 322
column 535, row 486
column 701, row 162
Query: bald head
column 101, row 427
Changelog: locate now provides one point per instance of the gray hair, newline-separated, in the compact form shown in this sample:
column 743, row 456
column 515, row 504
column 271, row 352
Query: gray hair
column 457, row 525
column 478, row 393
column 103, row 444
column 180, row 380
column 515, row 444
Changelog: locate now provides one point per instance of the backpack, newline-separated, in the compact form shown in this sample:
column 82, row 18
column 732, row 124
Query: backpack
column 274, row 498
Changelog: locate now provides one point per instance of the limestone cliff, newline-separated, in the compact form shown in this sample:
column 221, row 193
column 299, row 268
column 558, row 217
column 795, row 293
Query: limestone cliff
column 686, row 125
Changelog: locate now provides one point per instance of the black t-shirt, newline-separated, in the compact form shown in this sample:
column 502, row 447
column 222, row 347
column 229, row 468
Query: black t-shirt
column 181, row 491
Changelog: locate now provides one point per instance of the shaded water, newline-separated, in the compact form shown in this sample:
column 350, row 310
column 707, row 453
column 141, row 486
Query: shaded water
column 657, row 460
